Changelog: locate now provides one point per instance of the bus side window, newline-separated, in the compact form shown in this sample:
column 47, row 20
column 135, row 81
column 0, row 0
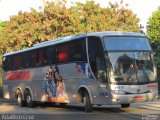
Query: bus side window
column 101, row 68
column 63, row 53
column 23, row 60
column 34, row 58
column 50, row 55
column 17, row 61
column 5, row 63
column 41, row 57
column 92, row 54
column 78, row 50
column 96, row 58
column 28, row 61
column 8, row 63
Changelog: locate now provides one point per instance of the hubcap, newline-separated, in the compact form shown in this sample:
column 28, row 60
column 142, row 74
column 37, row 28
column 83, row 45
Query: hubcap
column 28, row 99
column 84, row 100
column 19, row 99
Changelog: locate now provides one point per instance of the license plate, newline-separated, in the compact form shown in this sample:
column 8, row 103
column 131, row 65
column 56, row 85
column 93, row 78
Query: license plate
column 138, row 98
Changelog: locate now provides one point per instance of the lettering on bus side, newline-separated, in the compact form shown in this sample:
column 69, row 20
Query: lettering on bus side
column 18, row 75
column 103, row 94
column 119, row 87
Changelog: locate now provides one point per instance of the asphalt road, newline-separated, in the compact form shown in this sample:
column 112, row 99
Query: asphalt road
column 139, row 111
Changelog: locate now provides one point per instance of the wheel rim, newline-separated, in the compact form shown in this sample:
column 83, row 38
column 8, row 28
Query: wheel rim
column 28, row 99
column 19, row 99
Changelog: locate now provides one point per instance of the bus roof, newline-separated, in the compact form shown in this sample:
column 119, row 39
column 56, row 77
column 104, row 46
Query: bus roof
column 115, row 33
column 70, row 38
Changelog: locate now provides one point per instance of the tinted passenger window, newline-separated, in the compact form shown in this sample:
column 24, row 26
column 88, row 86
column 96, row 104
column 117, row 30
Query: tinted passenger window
column 34, row 58
column 63, row 53
column 8, row 63
column 96, row 58
column 5, row 63
column 67, row 52
column 41, row 57
column 78, row 50
column 29, row 59
column 51, row 55
column 17, row 61
column 72, row 51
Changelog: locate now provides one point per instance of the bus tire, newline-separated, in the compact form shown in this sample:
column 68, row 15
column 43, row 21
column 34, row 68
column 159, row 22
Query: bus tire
column 28, row 100
column 19, row 99
column 87, row 102
column 125, row 105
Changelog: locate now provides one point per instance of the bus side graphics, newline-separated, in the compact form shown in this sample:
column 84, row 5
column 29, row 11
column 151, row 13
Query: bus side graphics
column 53, row 86
column 83, row 70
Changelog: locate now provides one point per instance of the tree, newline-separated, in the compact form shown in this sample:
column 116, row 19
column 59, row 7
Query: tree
column 28, row 28
column 2, row 26
column 153, row 33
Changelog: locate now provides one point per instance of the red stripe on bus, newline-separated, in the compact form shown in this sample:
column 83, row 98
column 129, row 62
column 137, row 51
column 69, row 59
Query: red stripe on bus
column 19, row 75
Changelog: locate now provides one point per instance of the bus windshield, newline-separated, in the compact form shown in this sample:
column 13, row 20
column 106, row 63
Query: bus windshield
column 131, row 59
column 126, row 43
column 132, row 67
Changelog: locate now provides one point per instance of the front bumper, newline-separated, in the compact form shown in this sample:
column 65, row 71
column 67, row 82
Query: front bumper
column 133, row 98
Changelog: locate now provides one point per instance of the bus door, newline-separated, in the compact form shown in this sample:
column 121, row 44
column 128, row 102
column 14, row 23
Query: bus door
column 98, row 67
column 102, row 76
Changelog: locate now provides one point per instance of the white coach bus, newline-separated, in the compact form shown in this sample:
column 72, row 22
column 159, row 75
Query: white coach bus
column 92, row 69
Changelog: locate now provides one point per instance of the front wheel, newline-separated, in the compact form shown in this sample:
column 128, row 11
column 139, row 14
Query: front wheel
column 125, row 105
column 87, row 103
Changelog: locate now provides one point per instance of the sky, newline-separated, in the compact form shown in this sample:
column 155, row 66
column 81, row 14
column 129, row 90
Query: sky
column 143, row 8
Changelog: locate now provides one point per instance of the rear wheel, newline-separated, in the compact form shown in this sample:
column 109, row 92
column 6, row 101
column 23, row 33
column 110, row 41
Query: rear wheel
column 125, row 105
column 28, row 99
column 87, row 103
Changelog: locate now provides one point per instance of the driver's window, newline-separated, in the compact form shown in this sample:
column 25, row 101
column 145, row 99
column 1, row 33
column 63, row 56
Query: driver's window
column 96, row 58
column 101, row 68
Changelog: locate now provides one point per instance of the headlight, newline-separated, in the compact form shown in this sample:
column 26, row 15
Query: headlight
column 120, row 92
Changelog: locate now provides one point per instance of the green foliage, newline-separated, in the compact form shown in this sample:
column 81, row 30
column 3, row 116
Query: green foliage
column 0, row 82
column 153, row 33
column 2, row 26
column 1, row 87
column 28, row 28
